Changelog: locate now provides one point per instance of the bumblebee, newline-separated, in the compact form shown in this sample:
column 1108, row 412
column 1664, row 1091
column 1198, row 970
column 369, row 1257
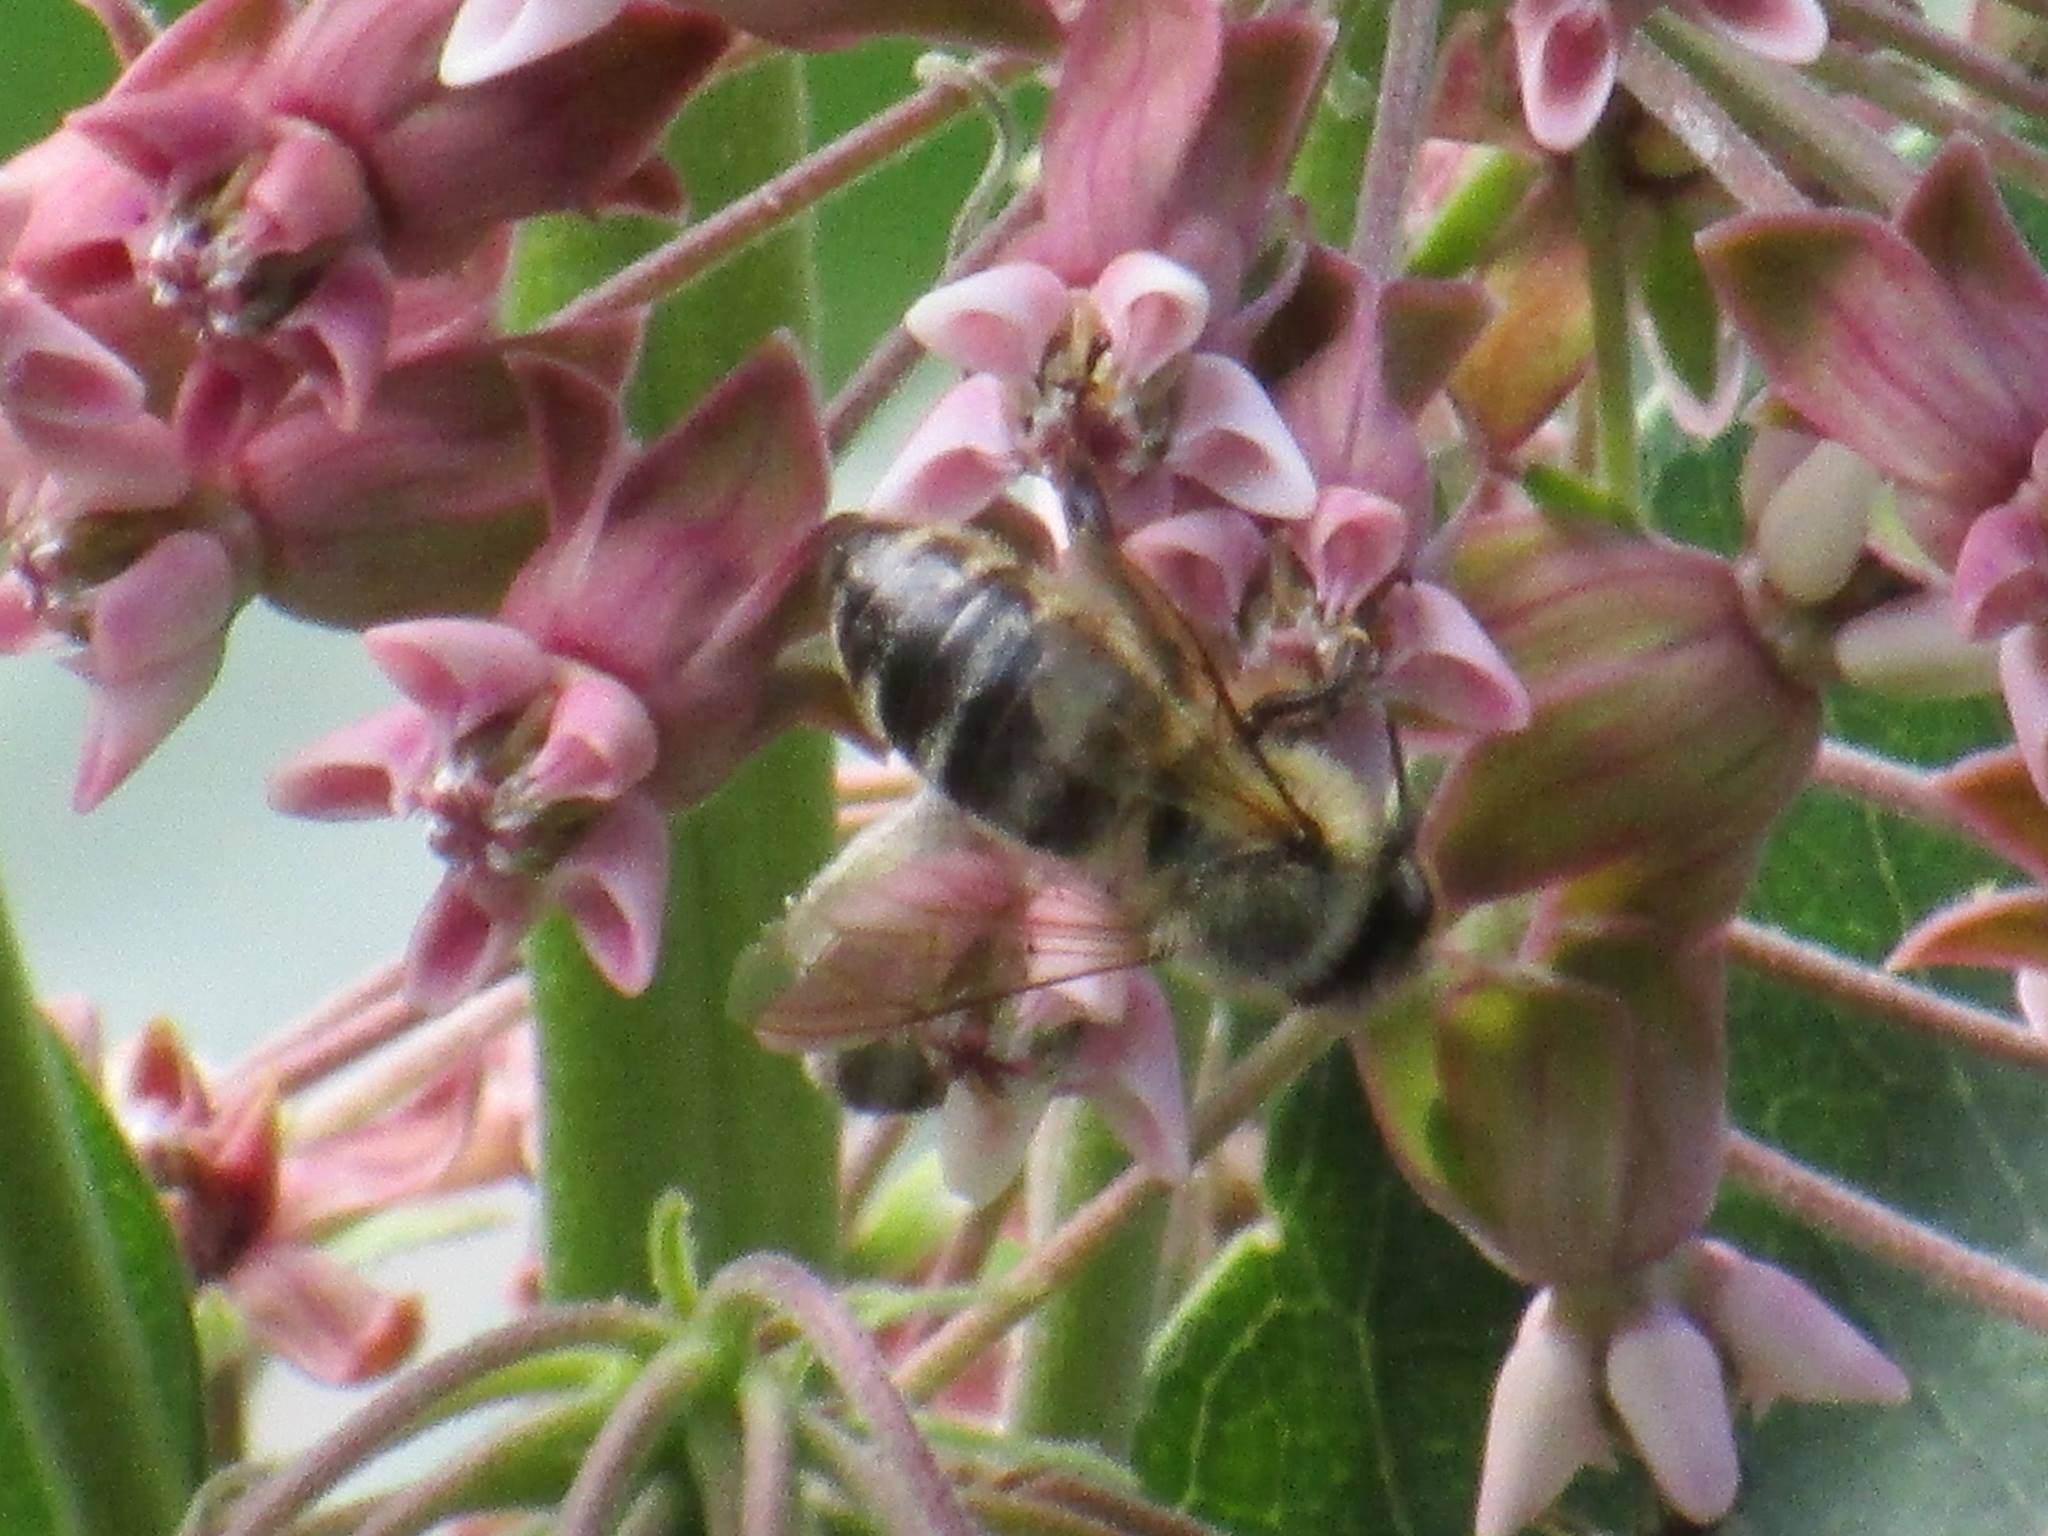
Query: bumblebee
column 1065, row 704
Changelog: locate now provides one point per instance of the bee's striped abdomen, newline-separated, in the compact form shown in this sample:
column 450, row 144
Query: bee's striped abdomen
column 953, row 656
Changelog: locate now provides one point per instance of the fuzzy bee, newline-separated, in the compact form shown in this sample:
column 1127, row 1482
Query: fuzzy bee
column 1066, row 705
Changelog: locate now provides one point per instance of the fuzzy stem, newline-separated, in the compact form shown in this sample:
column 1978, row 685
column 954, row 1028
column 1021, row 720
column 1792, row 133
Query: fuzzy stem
column 897, row 353
column 768, row 1468
column 867, row 1159
column 1598, row 189
column 414, row 1400
column 606, row 1482
column 1775, row 102
column 919, row 1493
column 1280, row 1057
column 654, row 1513
column 337, row 1031
column 1886, row 84
column 1398, row 125
column 1877, row 1229
column 1797, row 963
column 1894, row 787
column 1891, row 26
column 1472, row 218
column 433, row 1049
column 1085, row 1351
column 663, row 1091
column 74, row 1363
column 1692, row 113
column 713, row 240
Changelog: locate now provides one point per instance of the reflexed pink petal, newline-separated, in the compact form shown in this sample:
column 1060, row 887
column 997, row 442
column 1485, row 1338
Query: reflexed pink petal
column 1665, row 1382
column 1352, row 544
column 614, row 886
column 600, row 741
column 2000, row 930
column 17, row 201
column 1911, row 647
column 998, row 320
column 1991, row 794
column 1441, row 662
column 2023, row 676
column 462, row 671
column 215, row 45
column 1868, row 342
column 581, row 434
column 160, row 1079
column 468, row 932
column 402, row 1154
column 326, row 1320
column 175, row 600
column 960, row 458
column 1230, row 438
column 1135, row 72
column 21, row 625
column 1152, row 308
column 751, row 456
column 1788, row 1343
column 174, row 139
column 54, row 370
column 1202, row 560
column 1790, row 31
column 1811, row 529
column 225, row 396
column 493, row 37
column 1129, row 1066
column 984, row 1135
column 127, row 719
column 1543, row 1426
column 1957, row 221
column 1566, row 52
column 2001, row 571
column 367, row 769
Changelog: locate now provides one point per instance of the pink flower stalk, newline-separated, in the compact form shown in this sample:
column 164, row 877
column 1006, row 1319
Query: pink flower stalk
column 631, row 667
column 251, row 1207
column 296, row 164
column 1102, row 342
column 1914, row 344
column 990, row 978
column 1565, row 1108
column 1567, row 52
column 493, row 37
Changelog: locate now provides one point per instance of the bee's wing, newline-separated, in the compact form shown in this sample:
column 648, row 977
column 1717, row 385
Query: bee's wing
column 1217, row 769
column 921, row 915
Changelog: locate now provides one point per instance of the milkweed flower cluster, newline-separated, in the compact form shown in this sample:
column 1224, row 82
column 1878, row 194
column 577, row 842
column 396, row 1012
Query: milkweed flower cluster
column 250, row 351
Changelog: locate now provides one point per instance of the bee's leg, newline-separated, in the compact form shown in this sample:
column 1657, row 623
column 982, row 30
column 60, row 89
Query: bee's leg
column 1294, row 710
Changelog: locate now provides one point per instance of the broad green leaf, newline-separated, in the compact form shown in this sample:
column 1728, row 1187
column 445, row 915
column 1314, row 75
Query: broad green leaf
column 1330, row 1379
column 54, row 57
column 1953, row 1140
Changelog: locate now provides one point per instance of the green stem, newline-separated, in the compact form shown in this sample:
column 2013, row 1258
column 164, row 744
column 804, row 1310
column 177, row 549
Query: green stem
column 75, row 1372
column 662, row 1091
column 1466, row 226
column 1598, row 188
column 1085, row 1351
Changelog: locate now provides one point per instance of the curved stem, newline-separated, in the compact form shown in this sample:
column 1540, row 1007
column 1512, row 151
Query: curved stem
column 897, row 353
column 1695, row 117
column 1887, row 84
column 605, row 1483
column 1895, row 787
column 1277, row 1059
column 768, row 1471
column 1814, row 969
column 919, row 1494
column 452, row 1487
column 1398, row 126
column 411, row 1402
column 1598, row 188
column 1892, row 26
column 809, row 181
column 339, row 1030
column 1877, row 1229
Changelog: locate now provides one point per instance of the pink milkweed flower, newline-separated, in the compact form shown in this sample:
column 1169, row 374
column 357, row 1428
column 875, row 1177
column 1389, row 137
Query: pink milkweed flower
column 1109, row 335
column 1915, row 345
column 630, row 668
column 492, row 37
column 1004, row 980
column 299, row 163
column 251, row 1206
column 1565, row 1108
column 1567, row 52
